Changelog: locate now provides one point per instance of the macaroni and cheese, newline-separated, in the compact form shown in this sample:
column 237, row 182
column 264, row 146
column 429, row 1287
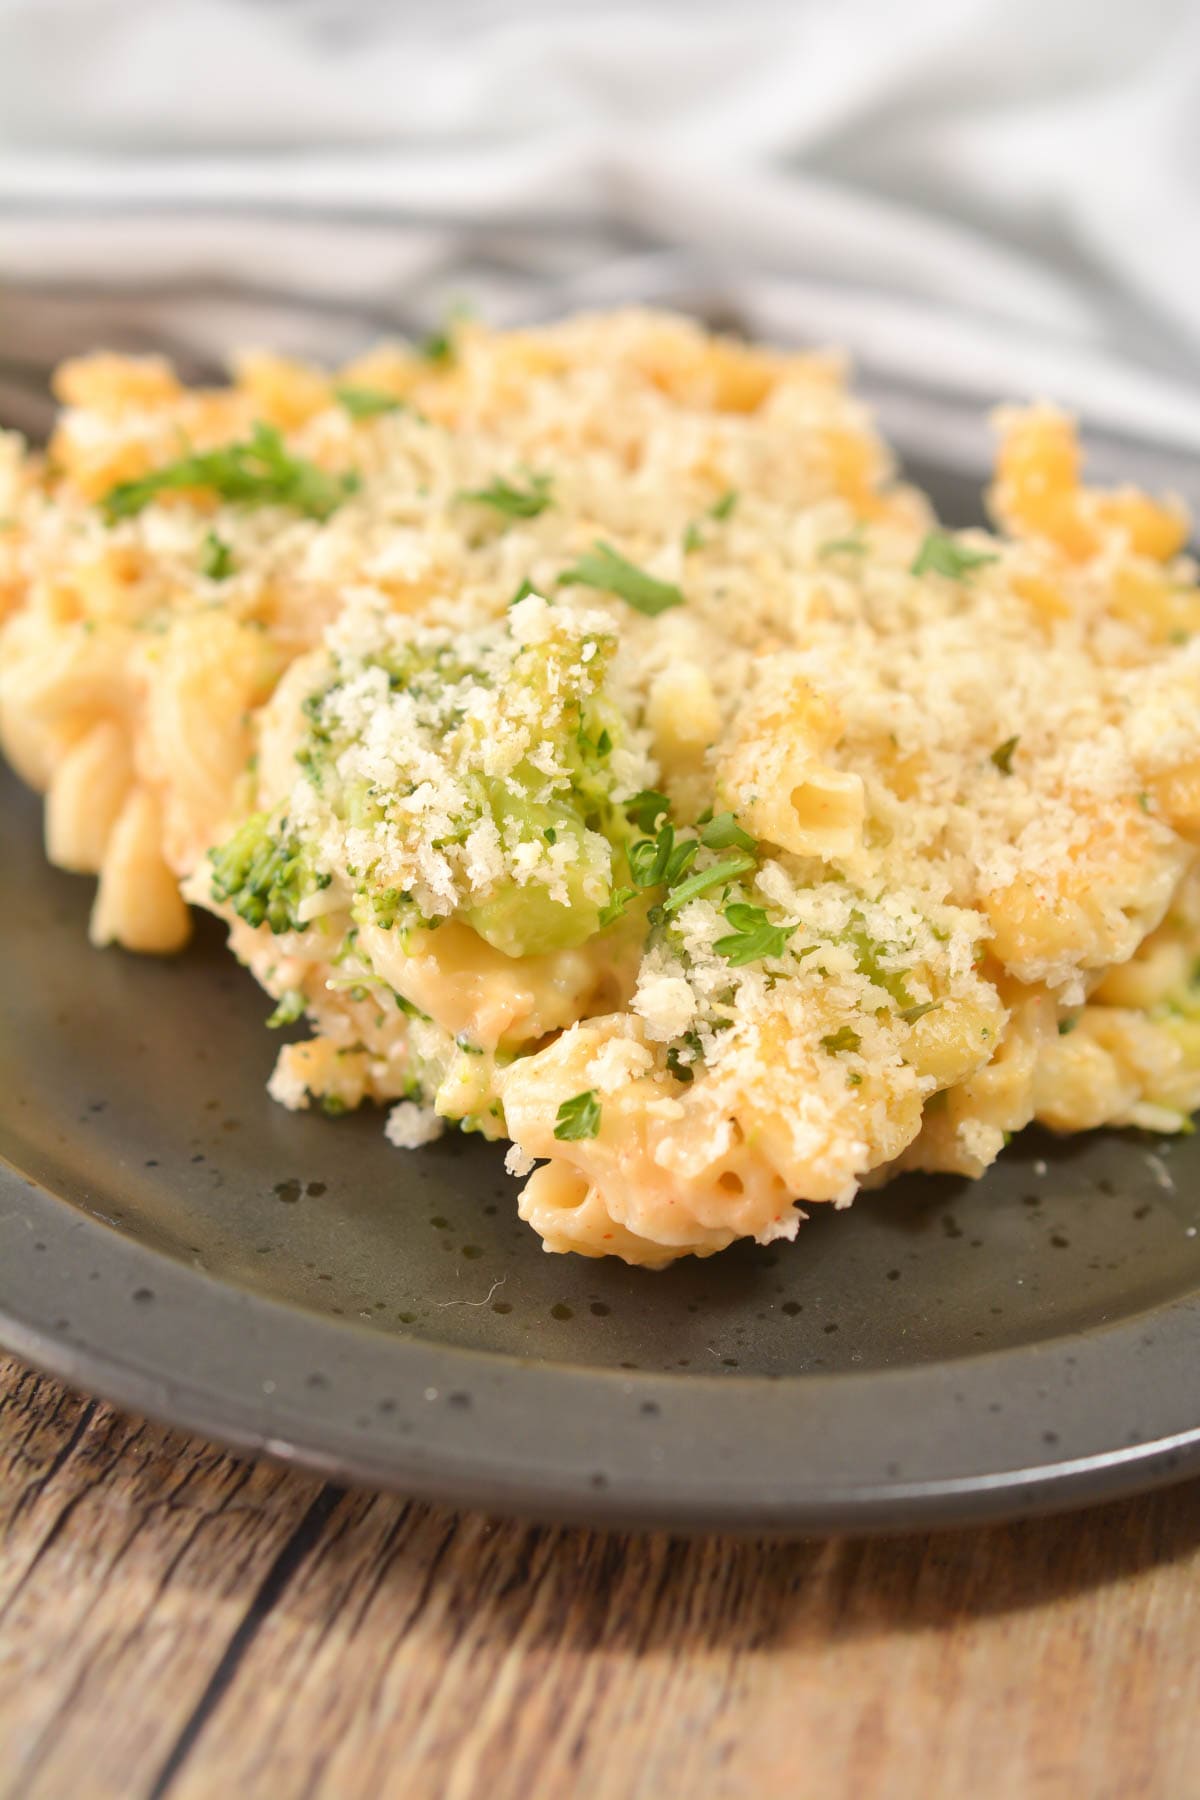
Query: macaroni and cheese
column 587, row 735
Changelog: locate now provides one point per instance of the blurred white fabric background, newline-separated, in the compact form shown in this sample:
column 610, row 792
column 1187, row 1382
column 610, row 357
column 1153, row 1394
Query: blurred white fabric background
column 981, row 197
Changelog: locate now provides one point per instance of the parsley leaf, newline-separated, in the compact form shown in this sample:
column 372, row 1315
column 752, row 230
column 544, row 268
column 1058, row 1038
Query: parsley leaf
column 578, row 1118
column 844, row 1038
column 514, row 502
column 366, row 402
column 943, row 555
column 1002, row 755
column 616, row 906
column 853, row 544
column 647, row 807
column 706, row 878
column 721, row 509
column 216, row 558
column 604, row 568
column 658, row 860
column 910, row 1014
column 693, row 539
column 523, row 592
column 259, row 472
column 724, row 833
column 752, row 937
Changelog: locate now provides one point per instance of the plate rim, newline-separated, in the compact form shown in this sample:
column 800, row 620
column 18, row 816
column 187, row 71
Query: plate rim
column 155, row 1356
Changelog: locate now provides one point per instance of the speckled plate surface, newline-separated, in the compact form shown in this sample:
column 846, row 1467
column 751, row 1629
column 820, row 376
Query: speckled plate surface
column 173, row 1241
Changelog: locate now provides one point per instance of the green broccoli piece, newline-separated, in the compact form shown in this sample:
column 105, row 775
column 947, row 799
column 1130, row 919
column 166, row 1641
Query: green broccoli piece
column 263, row 874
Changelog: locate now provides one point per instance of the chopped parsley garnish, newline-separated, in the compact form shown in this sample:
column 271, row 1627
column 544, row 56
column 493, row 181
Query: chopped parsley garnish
column 752, row 936
column 216, row 558
column 616, row 906
column 513, row 501
column 1002, row 755
column 943, row 555
column 684, row 1072
column 724, row 833
column 606, row 569
column 721, row 509
column 853, row 544
column 647, row 807
column 693, row 539
column 706, row 878
column 291, row 1007
column 259, row 472
column 366, row 402
column 844, row 1038
column 578, row 1118
column 910, row 1014
column 523, row 592
column 1067, row 1026
column 441, row 345
column 660, row 861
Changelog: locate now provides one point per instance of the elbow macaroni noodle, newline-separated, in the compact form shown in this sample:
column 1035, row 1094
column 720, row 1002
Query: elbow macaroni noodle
column 596, row 743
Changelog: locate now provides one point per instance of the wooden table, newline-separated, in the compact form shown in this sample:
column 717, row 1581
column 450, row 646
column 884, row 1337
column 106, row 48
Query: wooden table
column 177, row 1621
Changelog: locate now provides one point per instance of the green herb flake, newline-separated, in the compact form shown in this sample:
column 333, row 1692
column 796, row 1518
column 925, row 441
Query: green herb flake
column 682, row 1071
column 513, row 501
column 366, row 402
column 291, row 1007
column 333, row 1106
column 660, row 861
column 941, row 554
column 441, row 346
column 216, row 558
column 752, row 936
column 853, row 544
column 1067, row 1026
column 647, row 807
column 910, row 1014
column 616, row 906
column 844, row 1038
column 259, row 472
column 607, row 570
column 724, row 833
column 721, row 509
column 1143, row 801
column 1002, row 755
column 578, row 1118
column 698, row 884
column 523, row 592
column 693, row 539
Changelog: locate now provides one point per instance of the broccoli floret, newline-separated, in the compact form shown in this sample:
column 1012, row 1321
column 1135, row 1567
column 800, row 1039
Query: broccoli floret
column 263, row 874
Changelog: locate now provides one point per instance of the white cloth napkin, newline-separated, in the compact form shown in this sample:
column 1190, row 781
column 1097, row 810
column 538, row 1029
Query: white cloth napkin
column 982, row 198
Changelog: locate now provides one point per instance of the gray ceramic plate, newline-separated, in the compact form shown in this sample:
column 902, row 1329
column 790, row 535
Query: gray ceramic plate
column 173, row 1241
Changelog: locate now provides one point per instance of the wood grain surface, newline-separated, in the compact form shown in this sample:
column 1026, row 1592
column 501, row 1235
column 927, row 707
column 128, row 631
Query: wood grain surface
column 177, row 1621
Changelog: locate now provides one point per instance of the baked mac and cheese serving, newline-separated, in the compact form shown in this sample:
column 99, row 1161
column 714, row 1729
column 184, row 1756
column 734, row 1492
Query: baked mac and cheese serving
column 592, row 741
